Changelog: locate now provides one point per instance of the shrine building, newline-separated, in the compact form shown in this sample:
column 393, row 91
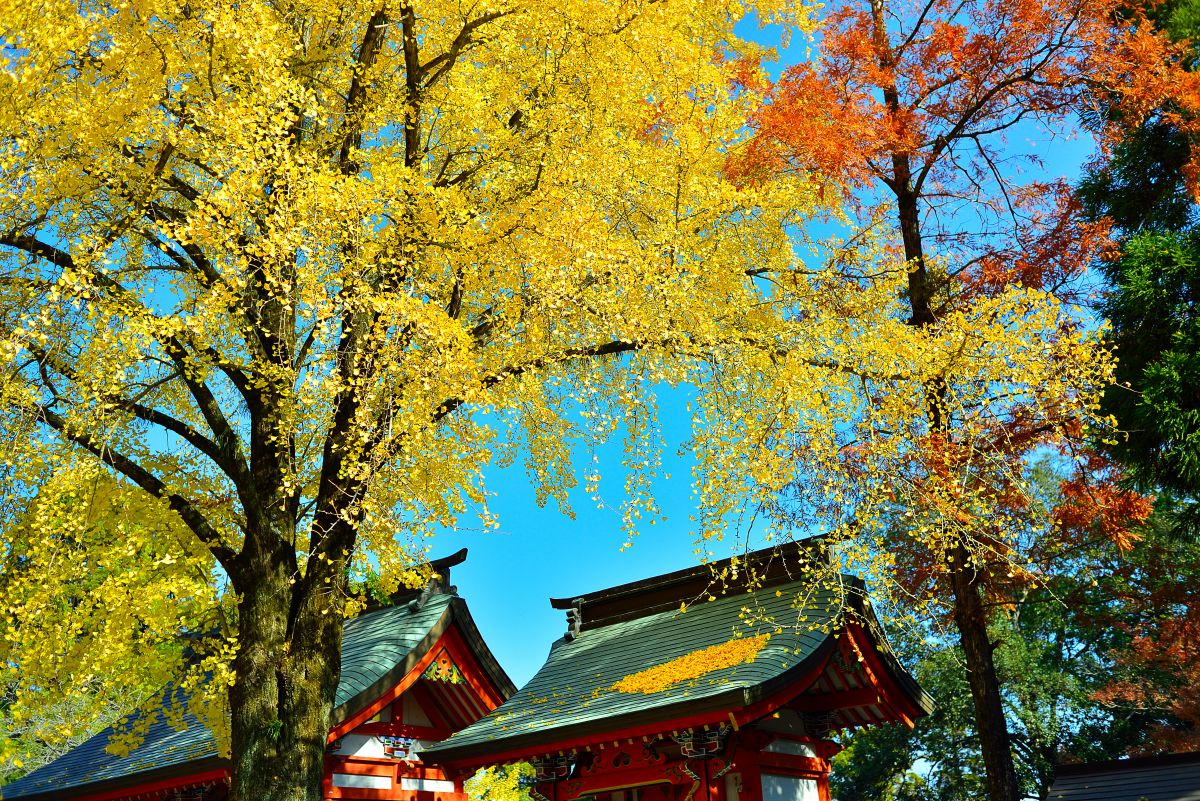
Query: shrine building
column 412, row 672
column 723, row 682
column 673, row 689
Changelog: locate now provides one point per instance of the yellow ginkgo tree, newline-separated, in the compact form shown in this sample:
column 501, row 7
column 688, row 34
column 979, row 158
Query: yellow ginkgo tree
column 298, row 270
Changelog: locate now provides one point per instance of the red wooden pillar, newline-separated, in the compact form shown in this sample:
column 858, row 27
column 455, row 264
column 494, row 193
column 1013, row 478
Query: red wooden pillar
column 714, row 789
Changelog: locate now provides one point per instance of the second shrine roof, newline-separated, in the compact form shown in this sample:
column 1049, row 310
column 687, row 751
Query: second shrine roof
column 630, row 629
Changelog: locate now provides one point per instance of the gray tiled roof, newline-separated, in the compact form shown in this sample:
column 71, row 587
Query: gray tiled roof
column 373, row 645
column 1172, row 777
column 88, row 763
column 572, row 689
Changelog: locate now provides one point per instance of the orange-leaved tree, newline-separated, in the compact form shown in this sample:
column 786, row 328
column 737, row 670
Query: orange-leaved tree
column 1151, row 602
column 908, row 109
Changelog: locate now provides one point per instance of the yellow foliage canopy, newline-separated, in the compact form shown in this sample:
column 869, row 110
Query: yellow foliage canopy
column 300, row 271
column 97, row 582
column 501, row 783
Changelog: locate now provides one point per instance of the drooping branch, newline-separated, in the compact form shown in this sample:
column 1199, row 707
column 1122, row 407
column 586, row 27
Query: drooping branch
column 232, row 460
column 149, row 482
column 448, row 406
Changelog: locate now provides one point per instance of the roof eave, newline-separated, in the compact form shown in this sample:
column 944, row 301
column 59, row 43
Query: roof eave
column 487, row 660
column 530, row 744
column 858, row 602
column 663, row 718
column 455, row 613
column 105, row 788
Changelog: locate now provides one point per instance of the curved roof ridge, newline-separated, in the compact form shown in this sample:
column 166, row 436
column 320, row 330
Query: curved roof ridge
column 752, row 570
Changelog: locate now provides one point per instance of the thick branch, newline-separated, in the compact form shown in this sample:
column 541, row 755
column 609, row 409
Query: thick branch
column 37, row 247
column 226, row 437
column 412, row 81
column 138, row 410
column 442, row 64
column 355, row 99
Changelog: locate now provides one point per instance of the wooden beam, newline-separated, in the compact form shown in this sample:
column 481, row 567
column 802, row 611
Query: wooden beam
column 831, row 702
column 403, row 730
column 189, row 780
column 792, row 764
column 587, row 741
column 620, row 779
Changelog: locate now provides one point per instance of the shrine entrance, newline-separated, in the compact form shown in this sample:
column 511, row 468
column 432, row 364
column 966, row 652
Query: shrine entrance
column 714, row 765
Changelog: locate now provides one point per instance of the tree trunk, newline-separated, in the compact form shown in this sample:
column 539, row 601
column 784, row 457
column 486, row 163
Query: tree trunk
column 990, row 723
column 287, row 669
column 969, row 616
column 288, row 661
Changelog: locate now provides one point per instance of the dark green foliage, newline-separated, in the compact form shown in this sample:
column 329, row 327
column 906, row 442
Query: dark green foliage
column 1078, row 686
column 1179, row 18
column 1049, row 675
column 1143, row 186
column 876, row 766
column 1154, row 307
column 1153, row 290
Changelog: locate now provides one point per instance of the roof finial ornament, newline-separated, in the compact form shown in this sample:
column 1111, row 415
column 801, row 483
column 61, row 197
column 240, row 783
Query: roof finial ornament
column 574, row 623
column 432, row 587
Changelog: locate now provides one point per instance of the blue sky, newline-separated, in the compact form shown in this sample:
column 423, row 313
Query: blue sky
column 539, row 553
